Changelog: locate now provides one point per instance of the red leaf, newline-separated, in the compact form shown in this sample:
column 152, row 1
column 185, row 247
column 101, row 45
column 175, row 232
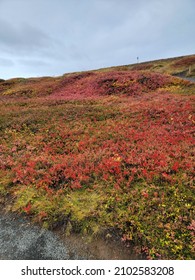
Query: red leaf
column 175, row 166
column 27, row 209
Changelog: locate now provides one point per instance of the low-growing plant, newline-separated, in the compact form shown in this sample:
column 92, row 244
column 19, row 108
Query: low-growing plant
column 105, row 150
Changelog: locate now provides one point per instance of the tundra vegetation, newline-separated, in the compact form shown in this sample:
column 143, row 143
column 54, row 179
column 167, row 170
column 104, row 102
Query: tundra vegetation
column 111, row 149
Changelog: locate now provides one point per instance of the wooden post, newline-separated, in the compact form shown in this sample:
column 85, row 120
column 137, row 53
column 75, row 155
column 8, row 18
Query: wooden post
column 190, row 69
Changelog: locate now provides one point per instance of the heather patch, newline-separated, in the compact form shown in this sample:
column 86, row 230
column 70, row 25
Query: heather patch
column 105, row 150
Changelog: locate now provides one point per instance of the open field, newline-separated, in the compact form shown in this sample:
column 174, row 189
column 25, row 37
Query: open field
column 111, row 149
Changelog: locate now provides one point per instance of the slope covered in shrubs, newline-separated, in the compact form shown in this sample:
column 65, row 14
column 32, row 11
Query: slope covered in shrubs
column 103, row 150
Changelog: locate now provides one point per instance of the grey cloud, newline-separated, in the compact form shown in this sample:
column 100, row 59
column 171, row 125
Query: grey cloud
column 21, row 37
column 4, row 62
column 33, row 63
column 46, row 36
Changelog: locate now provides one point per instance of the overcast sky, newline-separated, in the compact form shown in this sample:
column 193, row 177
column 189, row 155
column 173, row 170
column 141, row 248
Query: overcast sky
column 52, row 37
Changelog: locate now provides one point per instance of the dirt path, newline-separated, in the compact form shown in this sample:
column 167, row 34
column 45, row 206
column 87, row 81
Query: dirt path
column 182, row 76
column 191, row 79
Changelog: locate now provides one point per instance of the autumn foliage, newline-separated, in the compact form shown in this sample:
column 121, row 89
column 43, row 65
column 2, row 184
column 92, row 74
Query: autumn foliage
column 109, row 148
column 186, row 61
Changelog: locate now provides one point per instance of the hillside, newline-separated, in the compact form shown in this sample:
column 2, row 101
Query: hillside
column 183, row 66
column 104, row 152
column 180, row 66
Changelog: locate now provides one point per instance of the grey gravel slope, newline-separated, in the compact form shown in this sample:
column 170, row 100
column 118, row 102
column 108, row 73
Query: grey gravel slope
column 21, row 241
